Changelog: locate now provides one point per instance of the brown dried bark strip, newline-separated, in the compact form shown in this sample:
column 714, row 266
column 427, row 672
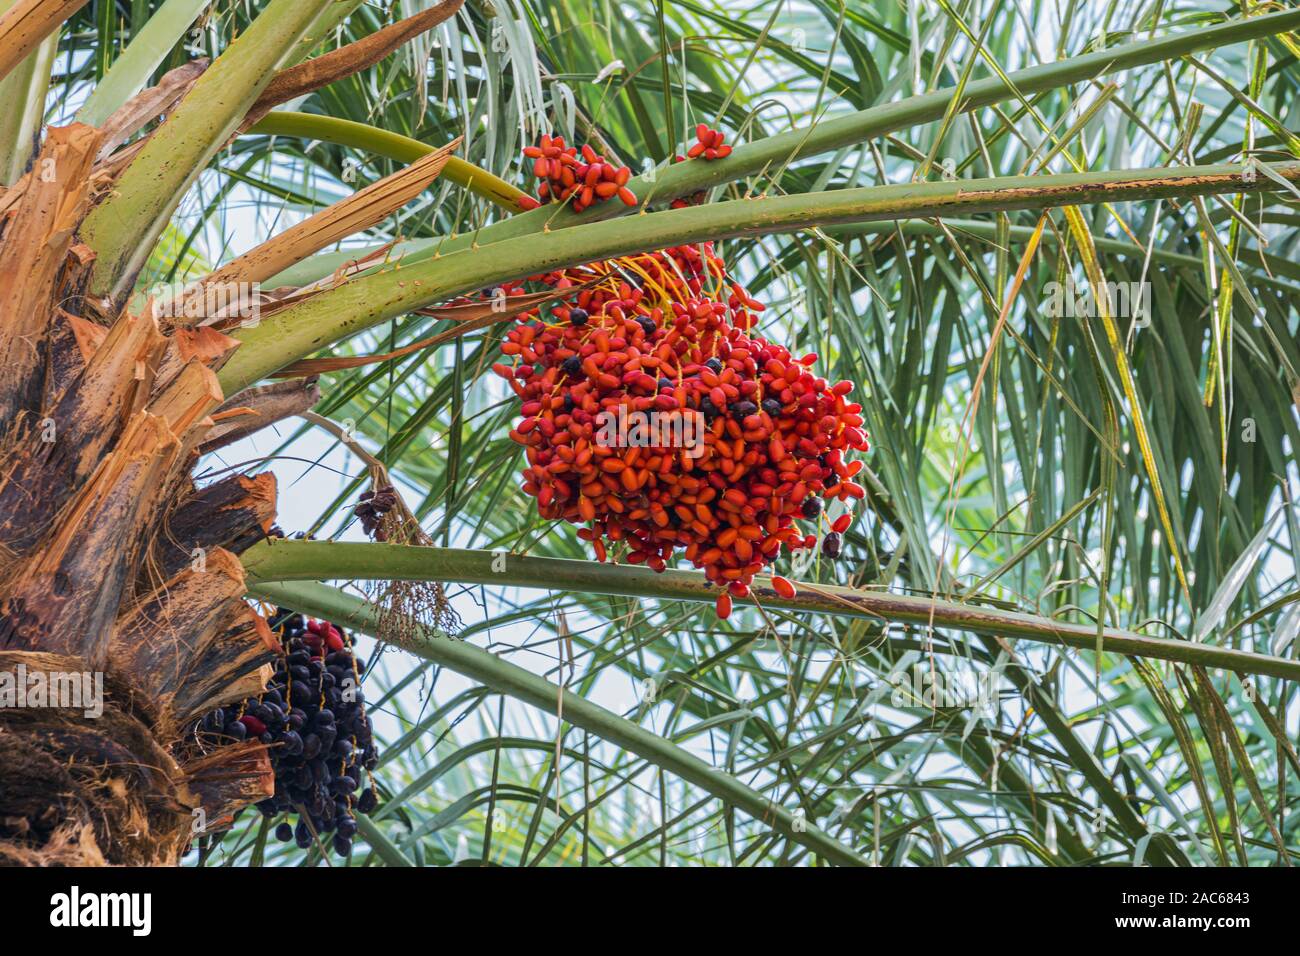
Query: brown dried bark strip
column 44, row 209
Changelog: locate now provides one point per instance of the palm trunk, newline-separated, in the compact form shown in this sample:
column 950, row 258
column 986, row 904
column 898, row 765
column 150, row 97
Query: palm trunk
column 111, row 562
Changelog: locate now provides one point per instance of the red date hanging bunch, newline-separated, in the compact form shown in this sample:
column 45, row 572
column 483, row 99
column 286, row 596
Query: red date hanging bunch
column 769, row 445
column 748, row 441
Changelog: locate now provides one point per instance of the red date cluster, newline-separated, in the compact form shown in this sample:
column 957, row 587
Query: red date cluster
column 583, row 176
column 709, row 144
column 666, row 335
column 587, row 178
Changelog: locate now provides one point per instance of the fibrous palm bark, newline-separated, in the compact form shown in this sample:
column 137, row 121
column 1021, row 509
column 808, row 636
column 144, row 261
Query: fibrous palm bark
column 113, row 563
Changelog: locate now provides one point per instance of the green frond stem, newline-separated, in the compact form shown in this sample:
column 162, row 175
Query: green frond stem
column 278, row 561
column 383, row 142
column 514, row 681
column 124, row 227
column 329, row 19
column 1276, row 273
column 23, row 94
column 133, row 67
column 305, row 328
column 1269, row 271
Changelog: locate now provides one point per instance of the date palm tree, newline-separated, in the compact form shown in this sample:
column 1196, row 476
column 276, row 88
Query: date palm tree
column 1081, row 501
